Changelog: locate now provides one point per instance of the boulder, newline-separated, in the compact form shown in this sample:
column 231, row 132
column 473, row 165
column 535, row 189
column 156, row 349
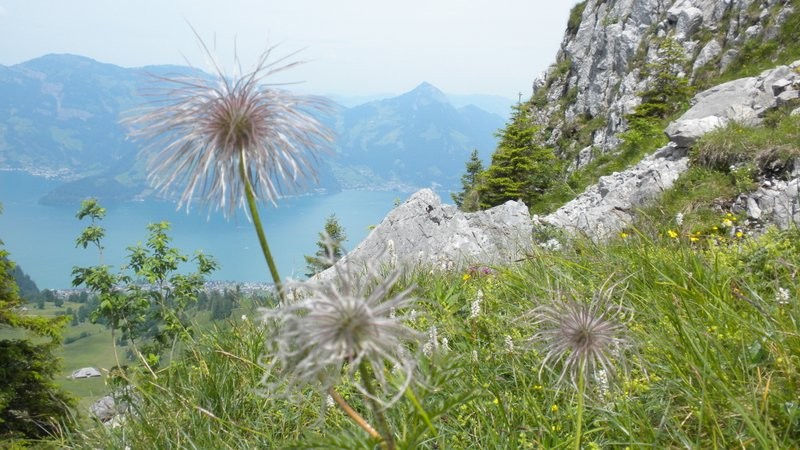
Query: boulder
column 112, row 408
column 104, row 409
column 684, row 133
column 744, row 101
column 707, row 54
column 85, row 372
column 425, row 232
column 776, row 202
column 609, row 206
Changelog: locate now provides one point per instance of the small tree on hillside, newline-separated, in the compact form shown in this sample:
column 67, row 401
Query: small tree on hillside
column 520, row 170
column 329, row 247
column 468, row 199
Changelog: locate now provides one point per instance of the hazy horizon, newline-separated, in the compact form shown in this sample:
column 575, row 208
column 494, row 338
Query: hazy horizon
column 353, row 47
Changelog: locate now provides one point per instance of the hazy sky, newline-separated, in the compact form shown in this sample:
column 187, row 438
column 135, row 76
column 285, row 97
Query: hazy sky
column 354, row 47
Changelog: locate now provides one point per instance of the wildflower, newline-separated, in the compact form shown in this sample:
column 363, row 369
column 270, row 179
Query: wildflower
column 445, row 345
column 475, row 307
column 581, row 335
column 727, row 223
column 554, row 408
column 214, row 137
column 739, row 234
column 551, row 244
column 602, row 381
column 392, row 253
column 338, row 326
column 466, row 277
column 782, row 296
column 244, row 317
column 623, row 235
column 432, row 344
column 679, row 219
column 672, row 234
column 509, row 343
column 694, row 238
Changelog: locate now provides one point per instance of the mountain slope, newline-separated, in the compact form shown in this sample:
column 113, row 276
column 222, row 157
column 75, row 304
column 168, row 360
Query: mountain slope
column 59, row 117
column 418, row 137
column 600, row 70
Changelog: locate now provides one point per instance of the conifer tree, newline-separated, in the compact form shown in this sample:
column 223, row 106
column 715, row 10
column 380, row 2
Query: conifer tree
column 468, row 199
column 329, row 247
column 520, row 169
column 31, row 404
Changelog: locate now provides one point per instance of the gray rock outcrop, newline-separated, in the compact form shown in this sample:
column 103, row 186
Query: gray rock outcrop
column 601, row 56
column 775, row 201
column 425, row 232
column 607, row 207
column 744, row 101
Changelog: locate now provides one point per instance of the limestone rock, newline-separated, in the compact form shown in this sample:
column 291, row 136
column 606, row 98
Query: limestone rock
column 707, row 54
column 685, row 132
column 600, row 60
column 744, row 100
column 776, row 202
column 607, row 207
column 104, row 409
column 425, row 232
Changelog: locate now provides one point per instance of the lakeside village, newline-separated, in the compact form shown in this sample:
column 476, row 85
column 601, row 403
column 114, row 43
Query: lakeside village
column 247, row 288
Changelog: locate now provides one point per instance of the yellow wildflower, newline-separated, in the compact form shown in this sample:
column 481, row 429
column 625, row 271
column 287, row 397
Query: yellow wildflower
column 672, row 234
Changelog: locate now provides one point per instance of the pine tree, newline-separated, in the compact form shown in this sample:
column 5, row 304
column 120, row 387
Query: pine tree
column 468, row 198
column 329, row 247
column 31, row 404
column 520, row 169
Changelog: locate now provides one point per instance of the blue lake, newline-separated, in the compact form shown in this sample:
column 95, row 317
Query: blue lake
column 41, row 239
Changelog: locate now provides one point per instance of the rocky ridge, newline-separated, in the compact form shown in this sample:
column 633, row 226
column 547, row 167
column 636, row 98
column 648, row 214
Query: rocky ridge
column 598, row 69
column 424, row 232
column 609, row 206
column 598, row 75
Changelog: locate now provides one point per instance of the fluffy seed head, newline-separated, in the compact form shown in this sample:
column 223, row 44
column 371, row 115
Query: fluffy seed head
column 200, row 129
column 338, row 325
column 579, row 335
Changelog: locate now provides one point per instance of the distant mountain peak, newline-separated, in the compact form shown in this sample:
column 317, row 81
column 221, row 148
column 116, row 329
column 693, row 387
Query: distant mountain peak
column 427, row 91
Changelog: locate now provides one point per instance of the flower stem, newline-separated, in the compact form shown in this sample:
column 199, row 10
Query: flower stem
column 357, row 418
column 262, row 238
column 380, row 417
column 581, row 393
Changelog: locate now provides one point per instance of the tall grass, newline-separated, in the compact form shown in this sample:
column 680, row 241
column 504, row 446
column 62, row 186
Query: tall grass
column 713, row 361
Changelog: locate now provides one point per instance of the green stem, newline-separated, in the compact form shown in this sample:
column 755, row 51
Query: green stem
column 581, row 393
column 380, row 417
column 262, row 238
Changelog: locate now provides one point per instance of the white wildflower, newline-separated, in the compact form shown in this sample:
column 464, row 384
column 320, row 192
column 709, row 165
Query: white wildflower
column 340, row 324
column 551, row 244
column 782, row 296
column 475, row 307
column 509, row 343
column 679, row 219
